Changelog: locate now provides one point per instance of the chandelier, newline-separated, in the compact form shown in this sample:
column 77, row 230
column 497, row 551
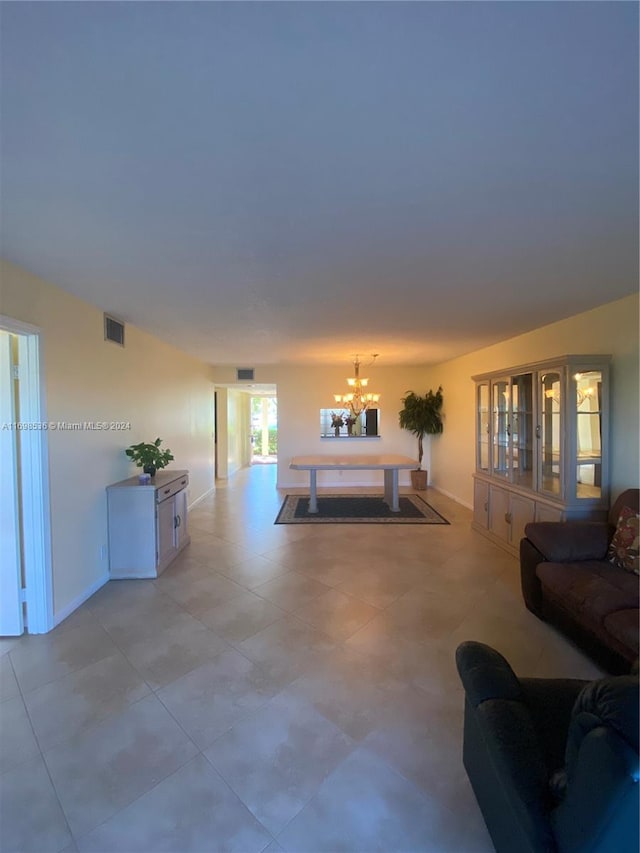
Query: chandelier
column 358, row 400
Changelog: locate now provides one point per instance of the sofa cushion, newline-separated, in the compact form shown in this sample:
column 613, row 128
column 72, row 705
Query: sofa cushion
column 569, row 540
column 623, row 549
column 591, row 589
column 624, row 625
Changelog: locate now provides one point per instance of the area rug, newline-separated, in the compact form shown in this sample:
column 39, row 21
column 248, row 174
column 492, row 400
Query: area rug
column 357, row 509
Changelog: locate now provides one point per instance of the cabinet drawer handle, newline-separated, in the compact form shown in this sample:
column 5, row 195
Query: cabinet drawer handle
column 166, row 491
column 183, row 482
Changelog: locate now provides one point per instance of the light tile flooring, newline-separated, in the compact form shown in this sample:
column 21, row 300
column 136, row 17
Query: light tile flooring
column 279, row 688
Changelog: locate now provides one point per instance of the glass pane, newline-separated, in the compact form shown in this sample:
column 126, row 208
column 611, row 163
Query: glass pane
column 483, row 427
column 550, row 434
column 337, row 423
column 589, row 432
column 522, row 430
column 500, row 415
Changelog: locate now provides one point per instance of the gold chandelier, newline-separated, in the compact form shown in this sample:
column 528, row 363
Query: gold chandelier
column 358, row 400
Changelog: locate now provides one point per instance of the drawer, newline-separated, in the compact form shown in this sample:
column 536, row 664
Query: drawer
column 172, row 488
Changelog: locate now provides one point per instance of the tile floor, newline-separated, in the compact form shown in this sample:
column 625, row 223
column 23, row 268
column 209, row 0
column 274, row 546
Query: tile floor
column 279, row 688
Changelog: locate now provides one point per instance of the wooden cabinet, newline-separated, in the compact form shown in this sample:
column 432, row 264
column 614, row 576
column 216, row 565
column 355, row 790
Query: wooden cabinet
column 148, row 524
column 481, row 503
column 542, row 435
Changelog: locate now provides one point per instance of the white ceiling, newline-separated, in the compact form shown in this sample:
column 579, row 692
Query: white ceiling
column 293, row 182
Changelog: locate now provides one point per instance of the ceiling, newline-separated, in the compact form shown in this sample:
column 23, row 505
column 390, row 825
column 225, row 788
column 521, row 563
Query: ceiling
column 298, row 182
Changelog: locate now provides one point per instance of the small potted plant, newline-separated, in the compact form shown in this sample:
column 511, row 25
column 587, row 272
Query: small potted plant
column 149, row 457
column 421, row 416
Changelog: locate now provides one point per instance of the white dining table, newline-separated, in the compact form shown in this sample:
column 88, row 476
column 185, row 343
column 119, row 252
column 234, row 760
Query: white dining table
column 389, row 463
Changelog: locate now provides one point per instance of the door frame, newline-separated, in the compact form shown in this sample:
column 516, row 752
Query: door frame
column 34, row 465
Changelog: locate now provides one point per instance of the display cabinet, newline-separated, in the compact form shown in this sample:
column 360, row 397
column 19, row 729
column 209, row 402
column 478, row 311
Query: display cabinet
column 542, row 445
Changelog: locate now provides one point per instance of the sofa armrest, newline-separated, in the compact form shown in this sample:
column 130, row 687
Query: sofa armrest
column 569, row 541
column 601, row 815
column 485, row 674
column 530, row 584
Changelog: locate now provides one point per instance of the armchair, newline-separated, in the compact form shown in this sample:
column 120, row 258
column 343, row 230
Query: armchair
column 553, row 763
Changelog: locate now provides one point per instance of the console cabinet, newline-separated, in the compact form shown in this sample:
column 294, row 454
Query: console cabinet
column 542, row 445
column 148, row 524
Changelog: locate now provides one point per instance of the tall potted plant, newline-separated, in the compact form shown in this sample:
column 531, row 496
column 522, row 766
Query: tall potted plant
column 421, row 415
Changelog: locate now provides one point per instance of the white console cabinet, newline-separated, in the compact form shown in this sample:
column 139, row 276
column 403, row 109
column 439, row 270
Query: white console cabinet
column 148, row 524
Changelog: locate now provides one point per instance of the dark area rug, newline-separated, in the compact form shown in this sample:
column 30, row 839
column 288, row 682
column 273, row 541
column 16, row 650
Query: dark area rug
column 357, row 509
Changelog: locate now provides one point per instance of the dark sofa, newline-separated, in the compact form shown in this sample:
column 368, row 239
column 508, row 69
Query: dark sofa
column 553, row 762
column 567, row 580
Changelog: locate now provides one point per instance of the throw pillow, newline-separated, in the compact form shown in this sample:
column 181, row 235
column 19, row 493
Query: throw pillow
column 623, row 550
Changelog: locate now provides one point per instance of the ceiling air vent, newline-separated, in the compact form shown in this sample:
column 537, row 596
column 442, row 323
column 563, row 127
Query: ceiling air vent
column 245, row 374
column 113, row 330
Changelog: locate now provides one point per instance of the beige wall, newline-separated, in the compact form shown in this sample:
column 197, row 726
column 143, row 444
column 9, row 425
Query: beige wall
column 611, row 329
column 238, row 431
column 158, row 389
column 303, row 391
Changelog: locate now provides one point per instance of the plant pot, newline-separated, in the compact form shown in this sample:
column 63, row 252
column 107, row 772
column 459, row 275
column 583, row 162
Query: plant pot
column 419, row 479
column 150, row 469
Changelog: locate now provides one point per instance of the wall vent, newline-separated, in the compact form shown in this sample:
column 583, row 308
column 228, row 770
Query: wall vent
column 113, row 330
column 245, row 374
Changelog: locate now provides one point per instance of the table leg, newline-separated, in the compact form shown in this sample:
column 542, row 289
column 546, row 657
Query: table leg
column 313, row 496
column 391, row 489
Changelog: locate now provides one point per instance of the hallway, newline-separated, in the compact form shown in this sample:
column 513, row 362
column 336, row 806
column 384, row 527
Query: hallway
column 278, row 688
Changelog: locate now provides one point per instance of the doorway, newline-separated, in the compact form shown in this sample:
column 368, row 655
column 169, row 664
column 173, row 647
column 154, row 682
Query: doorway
column 26, row 596
column 264, row 430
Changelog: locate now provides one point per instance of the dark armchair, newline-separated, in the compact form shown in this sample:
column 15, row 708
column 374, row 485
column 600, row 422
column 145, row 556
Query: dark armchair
column 553, row 762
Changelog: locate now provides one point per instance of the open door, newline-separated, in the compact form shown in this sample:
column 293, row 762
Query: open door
column 26, row 583
column 264, row 429
column 11, row 615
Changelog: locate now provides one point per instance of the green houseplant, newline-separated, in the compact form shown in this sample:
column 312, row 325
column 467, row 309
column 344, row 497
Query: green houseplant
column 421, row 415
column 149, row 457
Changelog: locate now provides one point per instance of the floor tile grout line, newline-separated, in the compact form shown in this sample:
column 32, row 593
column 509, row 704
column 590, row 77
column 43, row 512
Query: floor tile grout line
column 168, row 775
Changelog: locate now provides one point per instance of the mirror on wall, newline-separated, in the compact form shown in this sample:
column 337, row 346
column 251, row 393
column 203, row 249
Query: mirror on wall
column 337, row 423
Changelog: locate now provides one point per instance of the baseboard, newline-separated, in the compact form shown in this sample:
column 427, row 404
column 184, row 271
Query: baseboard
column 68, row 610
column 452, row 497
column 201, row 498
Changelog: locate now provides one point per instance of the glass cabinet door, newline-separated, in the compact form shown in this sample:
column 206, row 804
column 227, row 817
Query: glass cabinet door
column 542, row 439
column 500, row 427
column 482, row 427
column 588, row 404
column 521, row 430
column 550, row 433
